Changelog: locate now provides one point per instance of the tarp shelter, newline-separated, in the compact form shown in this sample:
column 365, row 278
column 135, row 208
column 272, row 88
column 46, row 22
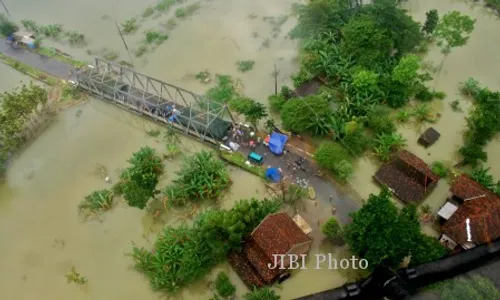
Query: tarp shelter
column 277, row 143
column 217, row 128
column 273, row 174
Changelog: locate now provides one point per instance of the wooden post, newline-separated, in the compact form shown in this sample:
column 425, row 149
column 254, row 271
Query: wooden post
column 6, row 10
column 275, row 73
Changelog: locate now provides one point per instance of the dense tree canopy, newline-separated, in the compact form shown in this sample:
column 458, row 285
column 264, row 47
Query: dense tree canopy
column 380, row 232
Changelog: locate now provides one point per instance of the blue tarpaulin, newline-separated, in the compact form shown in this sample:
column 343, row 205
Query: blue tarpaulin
column 273, row 174
column 277, row 143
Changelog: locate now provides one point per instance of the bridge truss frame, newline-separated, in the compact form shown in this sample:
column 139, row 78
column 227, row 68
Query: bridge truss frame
column 146, row 95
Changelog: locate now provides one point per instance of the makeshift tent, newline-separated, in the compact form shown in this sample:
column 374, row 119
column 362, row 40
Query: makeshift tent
column 277, row 143
column 273, row 174
column 217, row 129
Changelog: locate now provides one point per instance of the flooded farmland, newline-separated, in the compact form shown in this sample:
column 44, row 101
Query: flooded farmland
column 41, row 234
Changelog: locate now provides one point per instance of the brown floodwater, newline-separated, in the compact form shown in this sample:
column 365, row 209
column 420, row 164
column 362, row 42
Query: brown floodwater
column 41, row 233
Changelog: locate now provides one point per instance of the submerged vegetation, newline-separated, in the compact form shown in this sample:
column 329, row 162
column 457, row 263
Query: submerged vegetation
column 181, row 255
column 138, row 182
column 55, row 31
column 202, row 176
column 245, row 65
column 97, row 201
column 482, row 123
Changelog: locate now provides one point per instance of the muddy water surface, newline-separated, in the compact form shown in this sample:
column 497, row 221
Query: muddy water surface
column 46, row 183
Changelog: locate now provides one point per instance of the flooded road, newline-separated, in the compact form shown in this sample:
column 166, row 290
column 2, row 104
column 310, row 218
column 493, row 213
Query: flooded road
column 38, row 204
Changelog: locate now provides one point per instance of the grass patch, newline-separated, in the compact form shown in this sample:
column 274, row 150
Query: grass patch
column 52, row 53
column 148, row 12
column 475, row 287
column 170, row 24
column 188, row 11
column 141, row 50
column 238, row 159
column 130, row 26
column 204, row 77
column 245, row 65
column 96, row 202
column 28, row 70
column 153, row 132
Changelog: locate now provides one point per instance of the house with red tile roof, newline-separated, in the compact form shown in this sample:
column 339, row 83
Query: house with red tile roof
column 408, row 177
column 277, row 234
column 471, row 215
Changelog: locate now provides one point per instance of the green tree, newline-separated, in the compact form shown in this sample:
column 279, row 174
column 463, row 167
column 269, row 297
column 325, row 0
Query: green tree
column 431, row 21
column 138, row 182
column 252, row 110
column 261, row 294
column 367, row 42
column 332, row 229
column 301, row 114
column 404, row 32
column 452, row 31
column 379, row 120
column 380, row 232
column 223, row 285
column 406, row 71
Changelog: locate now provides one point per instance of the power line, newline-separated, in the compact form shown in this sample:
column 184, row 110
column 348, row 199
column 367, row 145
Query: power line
column 5, row 7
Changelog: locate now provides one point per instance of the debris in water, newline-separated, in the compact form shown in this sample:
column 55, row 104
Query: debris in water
column 74, row 277
column 107, row 179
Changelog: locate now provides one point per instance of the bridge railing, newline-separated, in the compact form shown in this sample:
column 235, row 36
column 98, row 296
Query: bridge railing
column 155, row 98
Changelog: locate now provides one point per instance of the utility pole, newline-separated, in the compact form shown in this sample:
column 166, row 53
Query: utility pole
column 275, row 74
column 6, row 10
column 124, row 43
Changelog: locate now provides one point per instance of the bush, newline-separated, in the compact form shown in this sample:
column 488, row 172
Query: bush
column 96, row 201
column 440, row 169
column 202, row 176
column 224, row 286
column 332, row 229
column 379, row 120
column 387, row 144
column 261, row 294
column 356, row 141
column 334, row 158
column 297, row 114
column 185, row 254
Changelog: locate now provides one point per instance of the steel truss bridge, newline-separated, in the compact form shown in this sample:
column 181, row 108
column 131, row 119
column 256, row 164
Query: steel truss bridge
column 163, row 102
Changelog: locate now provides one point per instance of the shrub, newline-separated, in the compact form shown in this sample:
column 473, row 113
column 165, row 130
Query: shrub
column 440, row 169
column 332, row 229
column 356, row 141
column 202, row 176
column 245, row 65
column 378, row 119
column 224, row 286
column 386, row 144
column 276, row 102
column 334, row 158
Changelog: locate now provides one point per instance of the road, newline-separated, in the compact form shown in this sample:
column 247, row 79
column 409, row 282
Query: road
column 48, row 65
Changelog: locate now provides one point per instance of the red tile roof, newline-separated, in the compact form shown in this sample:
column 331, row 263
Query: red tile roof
column 418, row 164
column 260, row 261
column 245, row 270
column 483, row 213
column 277, row 234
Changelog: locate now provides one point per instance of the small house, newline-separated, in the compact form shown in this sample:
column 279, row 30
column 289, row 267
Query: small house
column 277, row 234
column 470, row 216
column 429, row 137
column 408, row 177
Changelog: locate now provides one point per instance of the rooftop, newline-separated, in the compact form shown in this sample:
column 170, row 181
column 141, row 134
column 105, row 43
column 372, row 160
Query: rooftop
column 429, row 137
column 483, row 213
column 277, row 234
column 408, row 177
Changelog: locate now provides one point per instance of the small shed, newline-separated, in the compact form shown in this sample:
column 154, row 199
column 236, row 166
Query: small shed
column 277, row 234
column 429, row 137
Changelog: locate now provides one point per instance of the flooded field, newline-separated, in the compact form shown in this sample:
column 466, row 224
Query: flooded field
column 41, row 234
